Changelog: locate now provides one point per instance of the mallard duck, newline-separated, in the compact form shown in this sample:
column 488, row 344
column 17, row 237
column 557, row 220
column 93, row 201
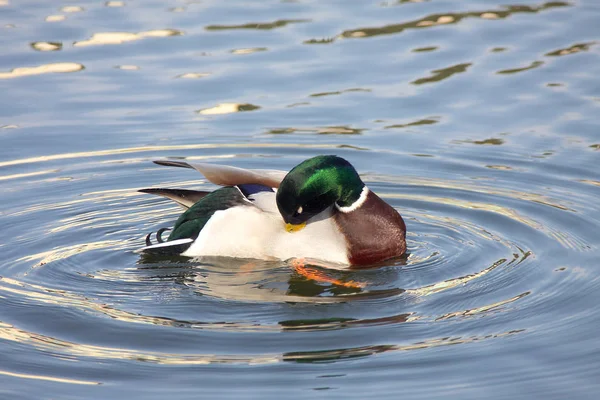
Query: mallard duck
column 320, row 210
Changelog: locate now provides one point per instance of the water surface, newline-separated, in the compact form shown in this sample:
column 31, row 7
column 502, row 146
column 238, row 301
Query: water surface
column 478, row 121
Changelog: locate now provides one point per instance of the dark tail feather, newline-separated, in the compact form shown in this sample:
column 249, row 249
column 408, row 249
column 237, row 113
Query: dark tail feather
column 186, row 198
column 181, row 164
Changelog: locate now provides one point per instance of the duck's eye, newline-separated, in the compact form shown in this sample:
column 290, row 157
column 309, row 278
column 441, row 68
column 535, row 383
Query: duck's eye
column 299, row 210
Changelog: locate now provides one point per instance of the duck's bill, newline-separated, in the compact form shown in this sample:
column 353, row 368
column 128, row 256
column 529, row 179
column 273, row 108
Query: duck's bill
column 294, row 227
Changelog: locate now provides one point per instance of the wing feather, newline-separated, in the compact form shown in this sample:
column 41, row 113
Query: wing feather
column 230, row 176
column 186, row 198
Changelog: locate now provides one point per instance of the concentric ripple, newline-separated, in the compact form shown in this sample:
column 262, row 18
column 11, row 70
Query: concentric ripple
column 475, row 254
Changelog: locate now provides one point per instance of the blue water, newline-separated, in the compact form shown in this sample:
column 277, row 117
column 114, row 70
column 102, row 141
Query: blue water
column 477, row 120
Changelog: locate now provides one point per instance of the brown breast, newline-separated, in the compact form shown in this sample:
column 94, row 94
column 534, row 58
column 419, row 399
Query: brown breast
column 374, row 232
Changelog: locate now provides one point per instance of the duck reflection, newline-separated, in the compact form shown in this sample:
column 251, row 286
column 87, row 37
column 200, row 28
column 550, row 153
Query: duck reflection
column 270, row 281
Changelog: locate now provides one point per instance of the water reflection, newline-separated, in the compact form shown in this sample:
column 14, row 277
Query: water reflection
column 55, row 18
column 128, row 67
column 248, row 50
column 193, row 75
column 444, row 19
column 495, row 307
column 340, row 354
column 325, row 130
column 72, row 9
column 485, row 142
column 42, row 69
column 103, row 38
column 322, row 94
column 69, row 348
column 444, row 73
column 425, row 49
column 143, row 149
column 228, row 108
column 46, row 46
column 257, row 25
column 400, row 2
column 576, row 48
column 533, row 65
column 48, row 378
column 424, row 121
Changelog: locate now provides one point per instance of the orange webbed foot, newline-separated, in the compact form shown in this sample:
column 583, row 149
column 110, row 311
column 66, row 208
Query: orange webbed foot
column 299, row 264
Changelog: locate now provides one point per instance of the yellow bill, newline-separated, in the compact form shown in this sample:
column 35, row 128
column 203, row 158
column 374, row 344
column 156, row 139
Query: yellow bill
column 294, row 227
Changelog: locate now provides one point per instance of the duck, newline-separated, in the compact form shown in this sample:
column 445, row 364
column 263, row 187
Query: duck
column 319, row 210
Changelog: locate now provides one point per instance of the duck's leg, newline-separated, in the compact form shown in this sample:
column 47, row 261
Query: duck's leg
column 299, row 264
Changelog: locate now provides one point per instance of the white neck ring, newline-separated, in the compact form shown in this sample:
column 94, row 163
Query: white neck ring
column 356, row 205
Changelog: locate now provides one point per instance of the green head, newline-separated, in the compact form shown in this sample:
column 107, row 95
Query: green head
column 316, row 184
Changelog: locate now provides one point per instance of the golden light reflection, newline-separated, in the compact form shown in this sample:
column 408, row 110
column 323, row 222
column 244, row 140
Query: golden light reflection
column 479, row 188
column 42, row 69
column 561, row 237
column 115, row 4
column 441, row 20
column 72, row 349
column 102, row 38
column 48, row 378
column 68, row 251
column 576, row 48
column 128, row 150
column 47, row 343
column 489, row 15
column 55, row 18
column 228, row 108
column 483, row 309
column 425, row 23
column 364, row 351
column 452, row 283
column 248, row 50
column 46, row 46
column 193, row 75
column 499, row 167
column 27, row 174
column 590, row 182
column 71, row 9
column 445, row 19
column 224, row 284
column 128, row 67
